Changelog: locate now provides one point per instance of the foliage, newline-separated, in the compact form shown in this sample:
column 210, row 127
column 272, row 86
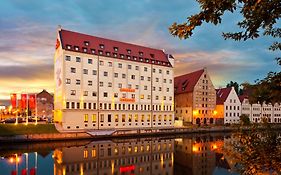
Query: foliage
column 257, row 151
column 244, row 119
column 260, row 17
column 236, row 87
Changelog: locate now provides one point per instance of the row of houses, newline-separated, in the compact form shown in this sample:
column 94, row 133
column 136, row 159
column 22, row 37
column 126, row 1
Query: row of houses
column 198, row 102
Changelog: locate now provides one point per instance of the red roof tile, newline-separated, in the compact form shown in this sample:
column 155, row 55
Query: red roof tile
column 242, row 97
column 186, row 83
column 222, row 95
column 93, row 43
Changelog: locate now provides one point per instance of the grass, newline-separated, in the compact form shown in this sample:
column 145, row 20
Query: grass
column 21, row 129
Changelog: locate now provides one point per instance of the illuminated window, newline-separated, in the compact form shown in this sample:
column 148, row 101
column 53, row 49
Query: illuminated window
column 142, row 118
column 154, row 117
column 136, row 117
column 94, row 118
column 123, row 117
column 85, row 154
column 130, row 149
column 141, row 96
column 94, row 153
column 130, row 117
column 136, row 149
column 148, row 118
column 116, row 117
column 159, row 117
column 86, row 117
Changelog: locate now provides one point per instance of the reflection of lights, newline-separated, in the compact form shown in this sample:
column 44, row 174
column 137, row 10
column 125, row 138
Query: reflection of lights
column 194, row 148
column 11, row 160
column 215, row 146
column 215, row 112
column 195, row 112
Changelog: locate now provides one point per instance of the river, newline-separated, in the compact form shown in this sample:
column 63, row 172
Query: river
column 179, row 155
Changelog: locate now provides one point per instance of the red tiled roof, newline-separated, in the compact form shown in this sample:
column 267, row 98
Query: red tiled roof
column 186, row 83
column 222, row 95
column 149, row 55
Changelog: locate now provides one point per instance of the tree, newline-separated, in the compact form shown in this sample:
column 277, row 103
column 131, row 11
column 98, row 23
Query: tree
column 260, row 17
column 235, row 85
column 244, row 119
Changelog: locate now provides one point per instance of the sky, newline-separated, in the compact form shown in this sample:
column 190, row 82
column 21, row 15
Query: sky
column 28, row 36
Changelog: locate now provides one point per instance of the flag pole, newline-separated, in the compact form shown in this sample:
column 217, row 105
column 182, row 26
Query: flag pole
column 17, row 105
column 36, row 118
column 27, row 99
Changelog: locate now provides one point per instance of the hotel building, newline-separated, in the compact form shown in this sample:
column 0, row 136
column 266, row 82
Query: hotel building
column 195, row 98
column 106, row 84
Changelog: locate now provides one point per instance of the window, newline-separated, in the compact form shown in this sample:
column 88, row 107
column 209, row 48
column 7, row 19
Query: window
column 105, row 94
column 142, row 96
column 68, row 47
column 85, row 93
column 94, row 72
column 137, row 67
column 119, row 85
column 73, row 92
column 101, row 84
column 107, row 53
column 105, row 74
column 101, row 46
column 116, row 75
column 142, row 77
column 148, row 78
column 115, row 55
column 93, row 51
column 145, row 87
column 164, row 80
column 67, row 105
column 137, row 86
column 168, row 72
column 85, row 71
column 85, row 49
column 101, row 63
column 123, row 117
column 86, row 117
column 72, row 70
column 109, row 117
column 160, row 71
column 141, row 53
column 78, row 59
column 67, row 58
column 157, row 79
column 157, row 97
column 90, row 61
column 123, row 75
column 67, row 81
column 90, row 83
column 94, row 94
column 76, row 48
column 116, row 95
column 121, row 55
column 145, row 69
column 115, row 49
column 116, row 118
column 110, row 64
column 128, row 51
column 109, row 84
column 77, row 82
column 94, row 118
column 133, row 77
column 129, row 66
column 119, row 65
column 86, row 43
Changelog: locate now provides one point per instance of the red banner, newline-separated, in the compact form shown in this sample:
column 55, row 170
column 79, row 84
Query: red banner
column 14, row 100
column 23, row 101
column 31, row 101
column 23, row 172
column 14, row 172
column 32, row 171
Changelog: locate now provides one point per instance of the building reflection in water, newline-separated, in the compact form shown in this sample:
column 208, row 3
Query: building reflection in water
column 108, row 157
column 199, row 155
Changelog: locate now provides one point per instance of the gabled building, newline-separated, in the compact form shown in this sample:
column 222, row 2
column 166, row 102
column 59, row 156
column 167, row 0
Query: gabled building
column 195, row 98
column 45, row 104
column 107, row 84
column 228, row 105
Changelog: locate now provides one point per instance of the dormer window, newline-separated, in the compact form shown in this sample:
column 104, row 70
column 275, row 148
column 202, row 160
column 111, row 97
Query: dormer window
column 107, row 53
column 135, row 58
column 115, row 55
column 153, row 61
column 115, row 49
column 101, row 46
column 76, row 48
column 100, row 52
column 86, row 43
column 141, row 59
column 128, row 51
column 68, row 47
column 147, row 60
column 152, row 55
column 129, row 57
column 84, row 49
column 141, row 54
column 158, row 62
column 93, row 51
column 121, row 55
column 164, row 63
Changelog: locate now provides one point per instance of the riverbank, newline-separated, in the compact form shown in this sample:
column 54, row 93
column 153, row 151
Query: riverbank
column 110, row 134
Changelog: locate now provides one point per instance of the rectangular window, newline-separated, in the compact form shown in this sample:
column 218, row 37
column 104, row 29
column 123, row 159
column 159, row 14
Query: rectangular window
column 105, row 74
column 133, row 77
column 102, row 118
column 129, row 66
column 94, row 118
column 72, row 105
column 109, row 84
column 90, row 61
column 73, row 92
column 94, row 94
column 78, row 59
column 67, row 105
column 85, row 93
column 109, row 117
column 145, row 69
column 94, row 72
column 137, row 67
column 119, row 85
column 67, row 58
column 116, row 75
column 123, row 75
column 119, row 65
column 101, row 84
column 105, row 94
column 101, row 63
column 67, row 81
column 78, row 82
column 123, row 117
column 72, row 70
column 90, row 83
column 86, row 117
column 85, row 71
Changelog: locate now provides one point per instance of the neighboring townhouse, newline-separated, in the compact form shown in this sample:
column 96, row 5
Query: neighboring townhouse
column 228, row 105
column 195, row 98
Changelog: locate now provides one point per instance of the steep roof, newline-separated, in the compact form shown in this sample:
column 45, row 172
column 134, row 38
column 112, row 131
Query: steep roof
column 186, row 83
column 222, row 95
column 83, row 43
column 242, row 97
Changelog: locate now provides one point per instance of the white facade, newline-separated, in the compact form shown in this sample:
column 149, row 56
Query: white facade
column 100, row 91
column 232, row 107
